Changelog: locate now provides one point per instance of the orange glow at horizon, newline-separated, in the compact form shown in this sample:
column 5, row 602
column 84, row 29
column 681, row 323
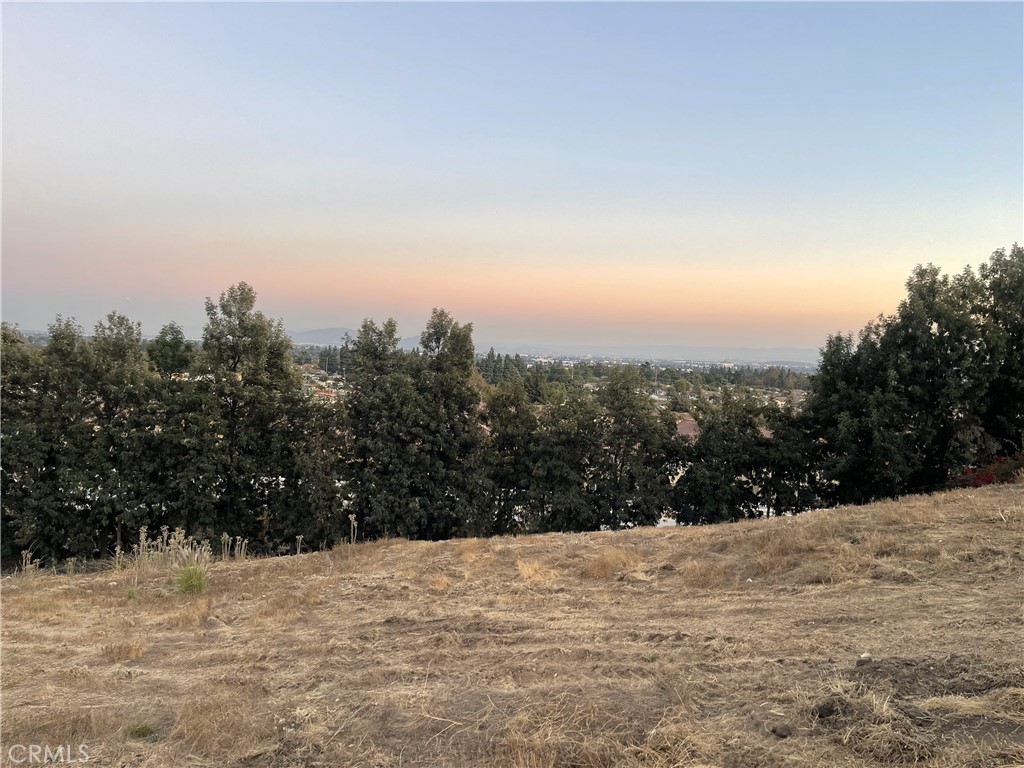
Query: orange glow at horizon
column 771, row 302
column 598, row 295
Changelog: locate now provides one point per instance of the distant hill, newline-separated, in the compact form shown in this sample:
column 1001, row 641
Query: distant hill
column 334, row 337
column 325, row 336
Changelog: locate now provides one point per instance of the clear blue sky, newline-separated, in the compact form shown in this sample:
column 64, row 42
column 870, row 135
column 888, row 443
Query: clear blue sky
column 750, row 174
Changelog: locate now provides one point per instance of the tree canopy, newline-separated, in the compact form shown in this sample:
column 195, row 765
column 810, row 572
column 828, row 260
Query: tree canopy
column 105, row 433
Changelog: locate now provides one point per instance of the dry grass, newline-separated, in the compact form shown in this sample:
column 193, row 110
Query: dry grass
column 440, row 583
column 190, row 614
column 124, row 651
column 611, row 561
column 532, row 570
column 706, row 573
column 736, row 645
column 223, row 723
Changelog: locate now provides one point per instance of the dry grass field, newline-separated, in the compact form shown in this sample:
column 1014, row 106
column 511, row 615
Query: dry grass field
column 882, row 635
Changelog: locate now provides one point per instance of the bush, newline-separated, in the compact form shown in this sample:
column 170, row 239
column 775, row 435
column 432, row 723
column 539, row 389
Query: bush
column 141, row 732
column 191, row 579
column 1003, row 469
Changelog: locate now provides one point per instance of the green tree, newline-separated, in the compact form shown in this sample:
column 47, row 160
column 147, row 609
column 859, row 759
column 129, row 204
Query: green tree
column 718, row 484
column 170, row 351
column 310, row 447
column 489, row 367
column 567, row 460
column 536, row 383
column 927, row 391
column 454, row 483
column 329, row 360
column 250, row 392
column 939, row 355
column 50, row 418
column 856, row 408
column 387, row 432
column 121, row 381
column 634, row 477
column 512, row 427
column 23, row 442
column 1001, row 316
column 787, row 480
column 681, row 394
column 416, row 456
column 178, row 480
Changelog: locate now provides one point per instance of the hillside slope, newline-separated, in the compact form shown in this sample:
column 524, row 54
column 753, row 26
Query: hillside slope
column 729, row 646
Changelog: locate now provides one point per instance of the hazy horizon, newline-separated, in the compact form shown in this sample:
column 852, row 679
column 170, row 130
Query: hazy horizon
column 702, row 175
column 635, row 351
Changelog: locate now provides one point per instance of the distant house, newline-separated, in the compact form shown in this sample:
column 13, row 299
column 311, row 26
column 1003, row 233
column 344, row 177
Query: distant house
column 686, row 426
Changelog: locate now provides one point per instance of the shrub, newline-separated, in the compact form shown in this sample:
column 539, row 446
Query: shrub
column 191, row 579
column 141, row 732
column 1003, row 469
column 531, row 570
column 610, row 561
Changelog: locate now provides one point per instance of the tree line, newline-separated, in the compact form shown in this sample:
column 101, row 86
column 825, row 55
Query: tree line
column 107, row 433
column 546, row 380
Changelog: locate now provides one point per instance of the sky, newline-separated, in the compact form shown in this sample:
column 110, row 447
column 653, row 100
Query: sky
column 754, row 175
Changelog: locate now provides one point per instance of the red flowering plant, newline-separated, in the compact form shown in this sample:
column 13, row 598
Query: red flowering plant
column 1002, row 469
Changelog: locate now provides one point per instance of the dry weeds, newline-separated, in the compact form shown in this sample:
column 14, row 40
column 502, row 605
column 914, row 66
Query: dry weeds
column 532, row 570
column 611, row 561
column 730, row 646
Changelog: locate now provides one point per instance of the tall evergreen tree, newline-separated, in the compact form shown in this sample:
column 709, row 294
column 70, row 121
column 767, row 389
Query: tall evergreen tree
column 718, row 482
column 1001, row 316
column 454, row 484
column 121, row 379
column 23, row 443
column 856, row 408
column 251, row 390
column 567, row 460
column 634, row 479
column 787, row 480
column 512, row 427
column 49, row 426
column 387, row 432
column 488, row 367
column 927, row 391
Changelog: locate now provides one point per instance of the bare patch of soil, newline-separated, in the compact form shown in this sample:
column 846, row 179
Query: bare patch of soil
column 953, row 675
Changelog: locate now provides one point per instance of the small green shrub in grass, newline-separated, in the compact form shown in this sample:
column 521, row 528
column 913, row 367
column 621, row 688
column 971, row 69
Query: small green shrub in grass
column 141, row 732
column 191, row 579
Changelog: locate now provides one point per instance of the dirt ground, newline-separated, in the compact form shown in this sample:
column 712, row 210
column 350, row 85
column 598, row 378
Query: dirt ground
column 883, row 635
